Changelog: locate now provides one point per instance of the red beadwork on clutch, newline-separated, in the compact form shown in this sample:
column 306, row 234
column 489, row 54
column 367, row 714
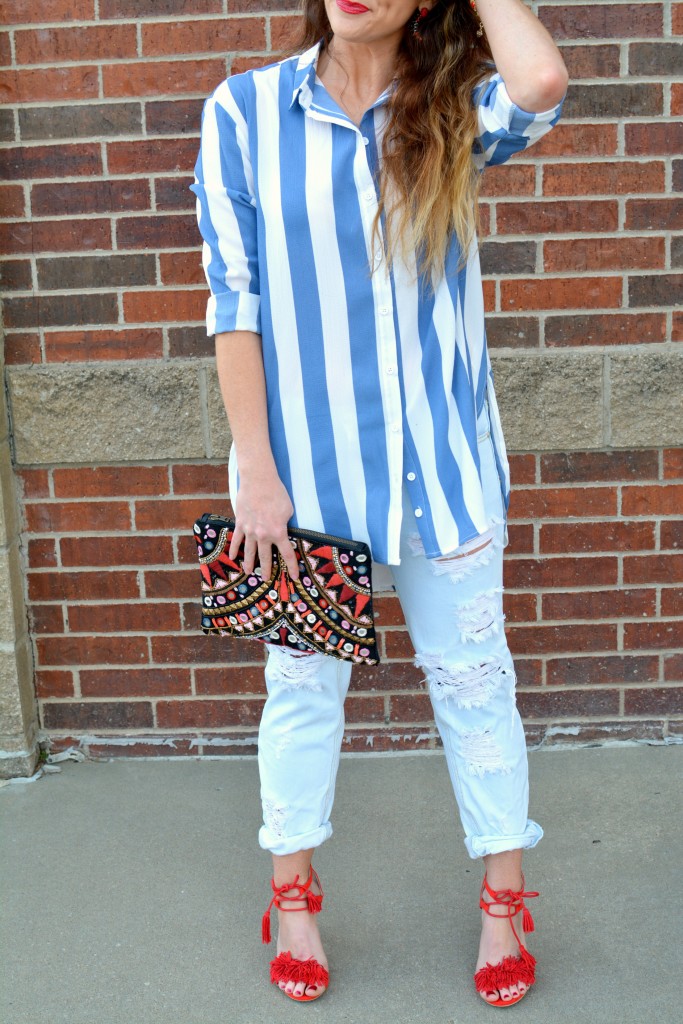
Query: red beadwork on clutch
column 328, row 609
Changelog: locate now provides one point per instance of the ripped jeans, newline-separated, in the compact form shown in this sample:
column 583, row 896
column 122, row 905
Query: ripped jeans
column 453, row 610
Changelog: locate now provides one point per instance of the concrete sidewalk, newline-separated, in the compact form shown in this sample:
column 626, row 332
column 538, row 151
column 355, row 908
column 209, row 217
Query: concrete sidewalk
column 133, row 892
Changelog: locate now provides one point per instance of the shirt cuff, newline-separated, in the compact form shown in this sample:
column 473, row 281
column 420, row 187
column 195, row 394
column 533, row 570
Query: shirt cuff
column 517, row 120
column 233, row 311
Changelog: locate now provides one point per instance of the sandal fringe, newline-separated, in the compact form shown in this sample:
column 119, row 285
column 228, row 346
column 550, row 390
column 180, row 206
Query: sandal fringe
column 285, row 968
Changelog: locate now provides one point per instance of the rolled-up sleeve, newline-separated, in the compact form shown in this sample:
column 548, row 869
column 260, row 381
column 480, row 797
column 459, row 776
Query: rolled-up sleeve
column 503, row 127
column 226, row 215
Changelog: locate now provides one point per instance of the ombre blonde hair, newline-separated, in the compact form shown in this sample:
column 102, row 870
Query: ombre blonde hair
column 427, row 166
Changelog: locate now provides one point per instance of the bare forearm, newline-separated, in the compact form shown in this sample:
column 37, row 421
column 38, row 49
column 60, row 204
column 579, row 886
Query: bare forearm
column 239, row 362
column 262, row 506
column 526, row 56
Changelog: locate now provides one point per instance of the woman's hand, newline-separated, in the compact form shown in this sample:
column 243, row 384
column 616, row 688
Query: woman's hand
column 263, row 510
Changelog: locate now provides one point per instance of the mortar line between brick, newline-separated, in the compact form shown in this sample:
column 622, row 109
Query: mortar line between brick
column 153, row 58
column 148, row 59
column 668, row 175
column 141, row 698
column 508, row 236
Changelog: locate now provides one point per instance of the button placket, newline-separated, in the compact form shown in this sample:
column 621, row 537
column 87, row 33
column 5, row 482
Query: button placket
column 387, row 342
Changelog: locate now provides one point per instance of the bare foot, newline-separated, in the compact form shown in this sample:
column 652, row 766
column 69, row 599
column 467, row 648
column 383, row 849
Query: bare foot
column 298, row 934
column 497, row 942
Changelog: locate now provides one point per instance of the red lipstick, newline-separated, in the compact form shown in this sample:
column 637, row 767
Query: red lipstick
column 350, row 8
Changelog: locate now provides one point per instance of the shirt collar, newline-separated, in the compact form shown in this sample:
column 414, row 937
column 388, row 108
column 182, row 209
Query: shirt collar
column 304, row 78
column 304, row 74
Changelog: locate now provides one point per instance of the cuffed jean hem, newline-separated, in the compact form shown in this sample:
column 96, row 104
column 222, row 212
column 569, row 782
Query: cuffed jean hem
column 282, row 845
column 482, row 846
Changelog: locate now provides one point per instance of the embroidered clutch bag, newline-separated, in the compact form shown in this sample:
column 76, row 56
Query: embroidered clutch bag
column 328, row 609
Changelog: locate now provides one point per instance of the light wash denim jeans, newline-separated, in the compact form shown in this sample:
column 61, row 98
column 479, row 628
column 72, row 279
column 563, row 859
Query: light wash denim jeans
column 453, row 611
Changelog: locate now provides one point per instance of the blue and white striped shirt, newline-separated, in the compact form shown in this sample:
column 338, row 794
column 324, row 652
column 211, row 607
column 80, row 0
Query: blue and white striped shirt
column 371, row 380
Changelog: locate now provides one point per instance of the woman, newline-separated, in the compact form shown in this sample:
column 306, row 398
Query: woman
column 336, row 195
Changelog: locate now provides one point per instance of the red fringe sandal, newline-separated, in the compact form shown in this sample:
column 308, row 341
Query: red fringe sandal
column 512, row 969
column 284, row 967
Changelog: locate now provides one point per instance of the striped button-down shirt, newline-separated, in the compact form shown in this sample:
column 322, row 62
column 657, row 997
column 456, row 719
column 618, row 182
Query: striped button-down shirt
column 373, row 382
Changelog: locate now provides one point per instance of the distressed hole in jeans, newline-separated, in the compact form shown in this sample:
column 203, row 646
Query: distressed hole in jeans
column 274, row 816
column 295, row 669
column 462, row 562
column 283, row 741
column 482, row 753
column 471, row 685
column 481, row 617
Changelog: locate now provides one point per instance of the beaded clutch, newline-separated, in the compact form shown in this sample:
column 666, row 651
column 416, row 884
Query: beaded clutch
column 328, row 609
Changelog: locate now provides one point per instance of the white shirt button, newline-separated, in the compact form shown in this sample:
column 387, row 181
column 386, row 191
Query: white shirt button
column 366, row 141
column 391, row 369
column 418, row 513
column 383, row 311
column 395, row 429
column 369, row 197
column 411, row 476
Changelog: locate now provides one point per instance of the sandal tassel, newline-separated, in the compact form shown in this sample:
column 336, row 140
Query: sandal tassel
column 265, row 927
column 315, row 902
column 527, row 921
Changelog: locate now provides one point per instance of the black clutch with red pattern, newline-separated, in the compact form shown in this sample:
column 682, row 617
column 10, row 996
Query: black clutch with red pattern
column 328, row 609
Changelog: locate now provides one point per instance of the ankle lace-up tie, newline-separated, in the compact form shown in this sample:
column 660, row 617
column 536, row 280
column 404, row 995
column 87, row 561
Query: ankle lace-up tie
column 314, row 901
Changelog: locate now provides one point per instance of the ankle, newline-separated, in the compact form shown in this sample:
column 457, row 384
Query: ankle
column 286, row 868
column 499, row 880
column 298, row 907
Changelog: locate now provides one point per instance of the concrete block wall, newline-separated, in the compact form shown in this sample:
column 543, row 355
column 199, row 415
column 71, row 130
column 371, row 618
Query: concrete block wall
column 19, row 750
column 119, row 438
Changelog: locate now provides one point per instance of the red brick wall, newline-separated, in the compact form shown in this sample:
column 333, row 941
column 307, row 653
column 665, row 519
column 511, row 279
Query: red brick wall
column 100, row 135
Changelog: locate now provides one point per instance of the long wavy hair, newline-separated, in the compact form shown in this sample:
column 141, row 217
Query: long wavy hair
column 428, row 181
